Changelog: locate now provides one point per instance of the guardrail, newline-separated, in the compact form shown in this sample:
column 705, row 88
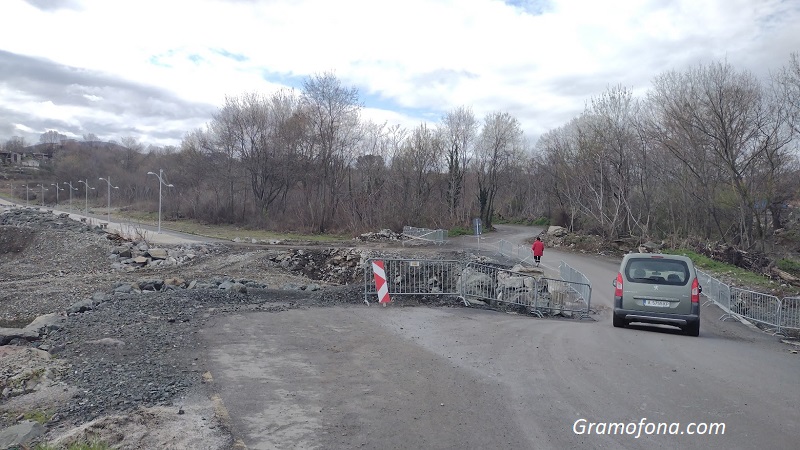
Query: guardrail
column 775, row 314
column 437, row 237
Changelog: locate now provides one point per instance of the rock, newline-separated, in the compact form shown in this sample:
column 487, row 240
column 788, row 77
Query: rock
column 534, row 271
column 651, row 246
column 557, row 231
column 141, row 260
column 9, row 334
column 158, row 253
column 123, row 289
column 20, row 435
column 473, row 282
column 81, row 306
column 174, row 281
column 108, row 342
column 45, row 324
column 99, row 297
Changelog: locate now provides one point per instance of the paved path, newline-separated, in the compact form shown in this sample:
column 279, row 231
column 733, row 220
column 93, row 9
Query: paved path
column 126, row 228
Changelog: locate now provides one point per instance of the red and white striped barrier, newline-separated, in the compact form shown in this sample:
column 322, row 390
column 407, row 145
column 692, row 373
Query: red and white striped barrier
column 380, row 282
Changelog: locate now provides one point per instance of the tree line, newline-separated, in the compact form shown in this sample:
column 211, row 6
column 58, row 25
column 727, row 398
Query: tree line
column 710, row 151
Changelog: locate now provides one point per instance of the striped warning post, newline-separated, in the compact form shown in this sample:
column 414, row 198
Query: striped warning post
column 380, row 282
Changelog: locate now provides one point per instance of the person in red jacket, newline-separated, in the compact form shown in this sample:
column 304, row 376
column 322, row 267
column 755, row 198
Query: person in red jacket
column 538, row 250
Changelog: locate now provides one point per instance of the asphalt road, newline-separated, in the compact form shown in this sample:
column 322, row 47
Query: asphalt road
column 447, row 378
column 128, row 228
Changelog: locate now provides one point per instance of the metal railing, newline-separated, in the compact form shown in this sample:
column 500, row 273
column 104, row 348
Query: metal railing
column 415, row 277
column 473, row 282
column 540, row 295
column 790, row 313
column 577, row 280
column 514, row 251
column 775, row 314
column 493, row 284
column 426, row 235
column 757, row 307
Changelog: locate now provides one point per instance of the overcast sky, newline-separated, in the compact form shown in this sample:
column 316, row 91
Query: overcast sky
column 156, row 69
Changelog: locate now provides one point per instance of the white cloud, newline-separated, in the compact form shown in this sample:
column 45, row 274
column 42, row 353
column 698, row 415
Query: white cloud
column 419, row 55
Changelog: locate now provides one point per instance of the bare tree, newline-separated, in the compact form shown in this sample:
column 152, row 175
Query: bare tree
column 51, row 137
column 332, row 114
column 499, row 146
column 459, row 128
column 414, row 167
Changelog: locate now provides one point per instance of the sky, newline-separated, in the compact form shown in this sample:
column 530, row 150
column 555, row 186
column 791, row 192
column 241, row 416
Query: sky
column 155, row 70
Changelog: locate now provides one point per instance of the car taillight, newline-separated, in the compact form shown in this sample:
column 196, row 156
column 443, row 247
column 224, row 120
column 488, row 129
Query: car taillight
column 695, row 291
column 618, row 285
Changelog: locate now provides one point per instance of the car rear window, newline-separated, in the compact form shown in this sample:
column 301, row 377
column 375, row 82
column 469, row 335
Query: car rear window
column 657, row 271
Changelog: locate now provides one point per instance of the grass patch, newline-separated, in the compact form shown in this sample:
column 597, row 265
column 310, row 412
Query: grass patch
column 225, row 231
column 789, row 265
column 459, row 231
column 541, row 221
column 742, row 276
column 38, row 416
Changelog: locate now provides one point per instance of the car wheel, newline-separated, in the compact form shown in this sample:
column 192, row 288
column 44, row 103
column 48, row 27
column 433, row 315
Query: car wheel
column 693, row 329
column 619, row 322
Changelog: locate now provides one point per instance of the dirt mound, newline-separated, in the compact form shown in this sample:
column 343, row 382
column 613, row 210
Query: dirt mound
column 14, row 240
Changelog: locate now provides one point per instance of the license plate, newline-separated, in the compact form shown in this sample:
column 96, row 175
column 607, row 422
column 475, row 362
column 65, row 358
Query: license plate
column 656, row 303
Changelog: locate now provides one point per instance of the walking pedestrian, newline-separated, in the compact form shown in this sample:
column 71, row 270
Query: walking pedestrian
column 538, row 250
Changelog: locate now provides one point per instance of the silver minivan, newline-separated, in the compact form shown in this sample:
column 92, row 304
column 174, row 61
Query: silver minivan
column 657, row 289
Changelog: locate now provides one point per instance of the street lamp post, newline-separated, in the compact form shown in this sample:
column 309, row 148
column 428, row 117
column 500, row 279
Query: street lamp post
column 43, row 189
column 86, row 185
column 69, row 183
column 160, row 176
column 57, row 189
column 27, row 196
column 108, row 181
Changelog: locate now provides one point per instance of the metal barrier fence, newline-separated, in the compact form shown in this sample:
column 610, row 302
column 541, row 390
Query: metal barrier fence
column 424, row 234
column 415, row 277
column 490, row 284
column 757, row 307
column 716, row 292
column 790, row 313
column 514, row 251
column 577, row 280
column 540, row 295
column 765, row 309
column 495, row 284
